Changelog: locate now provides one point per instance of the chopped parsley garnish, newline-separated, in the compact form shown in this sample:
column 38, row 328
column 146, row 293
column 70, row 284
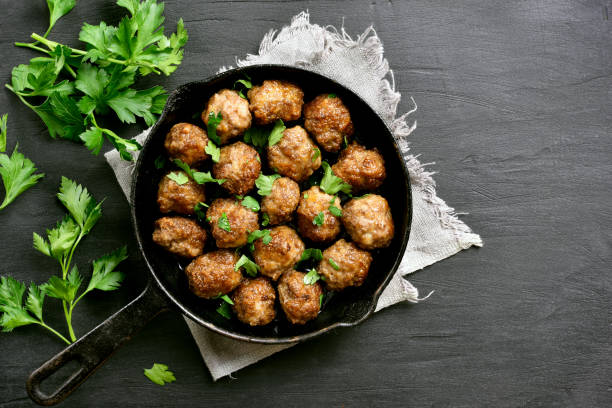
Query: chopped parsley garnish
column 264, row 184
column 211, row 127
column 335, row 211
column 331, row 184
column 225, row 298
column 331, row 95
column 225, row 310
column 159, row 374
column 199, row 210
column 333, row 264
column 224, row 223
column 265, row 220
column 264, row 235
column 316, row 154
column 198, row 176
column 213, row 151
column 244, row 82
column 249, row 266
column 305, row 196
column 277, row 133
column 319, row 219
column 312, row 277
column 311, row 253
column 250, row 203
column 160, row 162
column 345, row 142
column 321, row 300
column 178, row 178
column 258, row 137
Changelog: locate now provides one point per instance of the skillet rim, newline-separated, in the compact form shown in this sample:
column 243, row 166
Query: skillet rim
column 229, row 333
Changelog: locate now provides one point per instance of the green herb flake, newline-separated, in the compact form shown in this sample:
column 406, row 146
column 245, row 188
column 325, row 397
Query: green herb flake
column 335, row 211
column 225, row 298
column 159, row 374
column 311, row 277
column 264, row 184
column 311, row 253
column 224, row 223
column 363, row 196
column 249, row 266
column 277, row 133
column 316, row 154
column 321, row 296
column 160, row 162
column 305, row 196
column 256, row 136
column 333, row 264
column 332, row 184
column 250, row 203
column 213, row 151
column 199, row 211
column 319, row 219
column 198, row 176
column 245, row 83
column 331, row 95
column 225, row 310
column 3, row 125
column 264, row 235
column 178, row 177
column 211, row 127
column 345, row 142
column 17, row 172
column 265, row 220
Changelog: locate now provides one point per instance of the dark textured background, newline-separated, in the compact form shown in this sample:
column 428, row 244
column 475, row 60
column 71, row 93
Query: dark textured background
column 515, row 109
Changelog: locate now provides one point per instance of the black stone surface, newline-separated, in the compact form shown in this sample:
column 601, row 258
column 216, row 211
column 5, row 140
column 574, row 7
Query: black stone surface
column 515, row 109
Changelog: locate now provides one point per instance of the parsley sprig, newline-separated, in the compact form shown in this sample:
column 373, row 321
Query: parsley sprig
column 79, row 86
column 60, row 243
column 17, row 172
column 159, row 374
column 332, row 184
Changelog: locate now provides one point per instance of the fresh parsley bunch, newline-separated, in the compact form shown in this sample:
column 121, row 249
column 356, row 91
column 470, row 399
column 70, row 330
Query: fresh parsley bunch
column 70, row 88
column 61, row 242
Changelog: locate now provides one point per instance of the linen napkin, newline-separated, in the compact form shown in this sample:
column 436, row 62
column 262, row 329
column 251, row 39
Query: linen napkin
column 358, row 64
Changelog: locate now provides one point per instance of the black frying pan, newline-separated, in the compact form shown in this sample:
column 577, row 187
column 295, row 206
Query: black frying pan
column 167, row 288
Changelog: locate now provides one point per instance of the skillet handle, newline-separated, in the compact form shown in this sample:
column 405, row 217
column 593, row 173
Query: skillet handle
column 92, row 350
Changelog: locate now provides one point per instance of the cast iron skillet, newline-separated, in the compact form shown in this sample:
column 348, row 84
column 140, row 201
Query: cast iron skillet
column 167, row 288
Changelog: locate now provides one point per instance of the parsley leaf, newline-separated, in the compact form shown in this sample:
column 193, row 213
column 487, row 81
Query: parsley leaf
column 363, row 196
column 256, row 136
column 224, row 223
column 311, row 277
column 17, row 174
column 160, row 162
column 13, row 313
column 335, row 211
column 80, row 204
column 225, row 298
column 213, row 151
column 250, row 203
column 264, row 184
column 249, row 266
column 104, row 276
column 179, row 178
column 316, row 154
column 333, row 264
column 159, row 373
column 225, row 310
column 211, row 127
column 198, row 176
column 311, row 253
column 199, row 210
column 244, row 82
column 3, row 120
column 331, row 95
column 57, row 9
column 321, row 300
column 277, row 133
column 265, row 220
column 319, row 219
column 259, row 234
column 331, row 184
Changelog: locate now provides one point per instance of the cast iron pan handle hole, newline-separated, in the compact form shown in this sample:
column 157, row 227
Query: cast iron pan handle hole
column 47, row 383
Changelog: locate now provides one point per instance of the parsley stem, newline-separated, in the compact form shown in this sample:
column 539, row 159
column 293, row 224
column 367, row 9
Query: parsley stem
column 52, row 330
column 32, row 46
column 68, row 320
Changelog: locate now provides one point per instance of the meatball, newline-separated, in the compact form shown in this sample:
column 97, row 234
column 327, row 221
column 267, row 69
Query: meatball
column 295, row 156
column 254, row 302
column 314, row 202
column 230, row 222
column 363, row 169
column 328, row 120
column 368, row 221
column 213, row 274
column 282, row 201
column 239, row 165
column 181, row 236
column 282, row 252
column 344, row 264
column 180, row 198
column 186, row 142
column 275, row 100
column 235, row 114
column 300, row 302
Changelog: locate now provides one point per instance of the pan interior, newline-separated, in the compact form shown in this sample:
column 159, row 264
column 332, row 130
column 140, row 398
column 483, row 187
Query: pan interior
column 347, row 306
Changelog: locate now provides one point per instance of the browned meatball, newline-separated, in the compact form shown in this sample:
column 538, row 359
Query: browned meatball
column 254, row 302
column 213, row 274
column 187, row 143
column 181, row 236
column 280, row 254
column 239, row 165
column 282, row 201
column 368, row 221
column 300, row 302
column 328, row 120
column 363, row 169
column 275, row 100
column 295, row 156
column 180, row 198
column 344, row 264
column 314, row 202
column 230, row 222
column 235, row 114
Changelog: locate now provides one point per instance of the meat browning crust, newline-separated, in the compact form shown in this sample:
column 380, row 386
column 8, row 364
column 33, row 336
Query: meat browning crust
column 344, row 265
column 254, row 302
column 213, row 274
column 179, row 235
column 275, row 100
column 235, row 114
column 329, row 121
column 368, row 221
column 299, row 301
column 363, row 169
column 186, row 142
